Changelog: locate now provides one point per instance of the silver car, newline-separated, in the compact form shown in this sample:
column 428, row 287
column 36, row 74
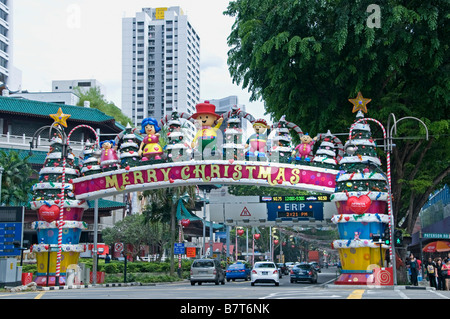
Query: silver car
column 207, row 270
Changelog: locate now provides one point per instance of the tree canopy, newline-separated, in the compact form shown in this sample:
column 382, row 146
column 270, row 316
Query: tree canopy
column 98, row 101
column 306, row 58
column 16, row 178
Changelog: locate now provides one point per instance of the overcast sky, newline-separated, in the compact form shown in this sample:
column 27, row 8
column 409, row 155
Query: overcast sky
column 82, row 39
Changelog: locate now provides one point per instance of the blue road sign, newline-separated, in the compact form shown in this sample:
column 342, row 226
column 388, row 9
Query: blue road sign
column 179, row 249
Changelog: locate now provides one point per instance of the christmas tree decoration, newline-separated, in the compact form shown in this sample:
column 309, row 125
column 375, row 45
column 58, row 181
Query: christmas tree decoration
column 177, row 147
column 325, row 155
column 233, row 149
column 281, row 149
column 59, row 213
column 129, row 148
column 360, row 197
column 90, row 160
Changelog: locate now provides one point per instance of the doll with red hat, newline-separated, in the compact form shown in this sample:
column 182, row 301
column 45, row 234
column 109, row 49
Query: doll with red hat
column 210, row 123
column 258, row 141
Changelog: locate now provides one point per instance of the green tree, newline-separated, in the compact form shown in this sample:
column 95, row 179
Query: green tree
column 131, row 230
column 16, row 178
column 306, row 58
column 98, row 101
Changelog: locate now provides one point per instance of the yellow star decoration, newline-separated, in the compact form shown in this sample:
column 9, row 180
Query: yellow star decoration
column 60, row 117
column 359, row 103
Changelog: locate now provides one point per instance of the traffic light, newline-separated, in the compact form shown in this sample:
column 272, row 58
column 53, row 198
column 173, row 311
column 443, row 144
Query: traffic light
column 398, row 238
column 386, row 236
column 376, row 238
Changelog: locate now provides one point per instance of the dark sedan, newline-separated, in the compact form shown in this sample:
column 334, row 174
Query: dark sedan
column 303, row 272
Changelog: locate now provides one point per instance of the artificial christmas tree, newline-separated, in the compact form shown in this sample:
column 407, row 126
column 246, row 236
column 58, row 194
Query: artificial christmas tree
column 232, row 146
column 176, row 148
column 326, row 154
column 53, row 193
column 90, row 160
column 360, row 198
column 129, row 148
column 281, row 149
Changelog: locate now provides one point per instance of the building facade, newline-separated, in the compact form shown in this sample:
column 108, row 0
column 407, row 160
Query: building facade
column 10, row 76
column 160, row 64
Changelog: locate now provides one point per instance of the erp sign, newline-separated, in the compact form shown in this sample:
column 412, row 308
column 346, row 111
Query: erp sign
column 289, row 210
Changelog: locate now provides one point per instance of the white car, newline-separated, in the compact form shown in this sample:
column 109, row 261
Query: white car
column 265, row 272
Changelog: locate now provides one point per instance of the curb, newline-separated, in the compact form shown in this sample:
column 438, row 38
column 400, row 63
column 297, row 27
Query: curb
column 89, row 286
column 106, row 285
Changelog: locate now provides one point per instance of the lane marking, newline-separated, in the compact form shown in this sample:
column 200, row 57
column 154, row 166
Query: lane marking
column 356, row 294
column 39, row 295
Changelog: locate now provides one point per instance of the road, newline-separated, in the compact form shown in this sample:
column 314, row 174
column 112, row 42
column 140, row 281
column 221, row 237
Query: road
column 238, row 290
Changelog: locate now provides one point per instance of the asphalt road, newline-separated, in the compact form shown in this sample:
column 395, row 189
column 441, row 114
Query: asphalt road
column 237, row 290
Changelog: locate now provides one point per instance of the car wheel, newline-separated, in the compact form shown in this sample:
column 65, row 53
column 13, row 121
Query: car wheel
column 192, row 283
column 292, row 281
column 277, row 283
column 253, row 283
column 228, row 279
column 199, row 283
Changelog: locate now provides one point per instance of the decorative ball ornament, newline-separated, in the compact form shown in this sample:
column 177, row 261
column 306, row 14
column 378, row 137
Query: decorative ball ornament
column 185, row 222
column 351, row 149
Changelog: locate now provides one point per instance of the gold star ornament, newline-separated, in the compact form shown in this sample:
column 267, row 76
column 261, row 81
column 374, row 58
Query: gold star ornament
column 359, row 103
column 60, row 117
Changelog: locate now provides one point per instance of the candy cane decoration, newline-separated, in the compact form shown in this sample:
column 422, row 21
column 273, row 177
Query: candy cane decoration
column 388, row 162
column 242, row 114
column 60, row 222
column 291, row 125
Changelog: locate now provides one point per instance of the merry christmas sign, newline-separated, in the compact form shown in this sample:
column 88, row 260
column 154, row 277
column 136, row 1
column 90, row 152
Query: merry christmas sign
column 206, row 172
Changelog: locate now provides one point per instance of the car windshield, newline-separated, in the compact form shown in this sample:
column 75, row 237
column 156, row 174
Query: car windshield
column 265, row 265
column 236, row 266
column 304, row 267
column 203, row 263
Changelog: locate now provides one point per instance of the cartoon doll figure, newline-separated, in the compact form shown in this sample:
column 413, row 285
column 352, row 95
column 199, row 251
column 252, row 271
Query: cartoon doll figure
column 210, row 123
column 304, row 148
column 150, row 148
column 108, row 157
column 257, row 141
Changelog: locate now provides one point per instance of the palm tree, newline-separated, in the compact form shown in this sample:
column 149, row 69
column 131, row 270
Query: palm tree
column 16, row 178
column 162, row 207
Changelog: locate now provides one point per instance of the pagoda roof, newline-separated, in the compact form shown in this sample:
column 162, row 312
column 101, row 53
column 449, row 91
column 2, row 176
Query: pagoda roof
column 40, row 109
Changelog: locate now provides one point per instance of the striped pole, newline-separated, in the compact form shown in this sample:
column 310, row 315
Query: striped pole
column 388, row 171
column 60, row 222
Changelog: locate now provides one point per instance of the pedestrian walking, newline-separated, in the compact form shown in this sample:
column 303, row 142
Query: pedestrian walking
column 446, row 273
column 414, row 269
column 431, row 272
column 439, row 275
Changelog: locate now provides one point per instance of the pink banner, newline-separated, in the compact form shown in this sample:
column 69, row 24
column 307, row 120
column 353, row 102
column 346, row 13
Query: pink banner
column 146, row 177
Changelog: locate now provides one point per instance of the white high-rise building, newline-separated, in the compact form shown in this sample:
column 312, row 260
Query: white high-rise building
column 10, row 76
column 160, row 64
